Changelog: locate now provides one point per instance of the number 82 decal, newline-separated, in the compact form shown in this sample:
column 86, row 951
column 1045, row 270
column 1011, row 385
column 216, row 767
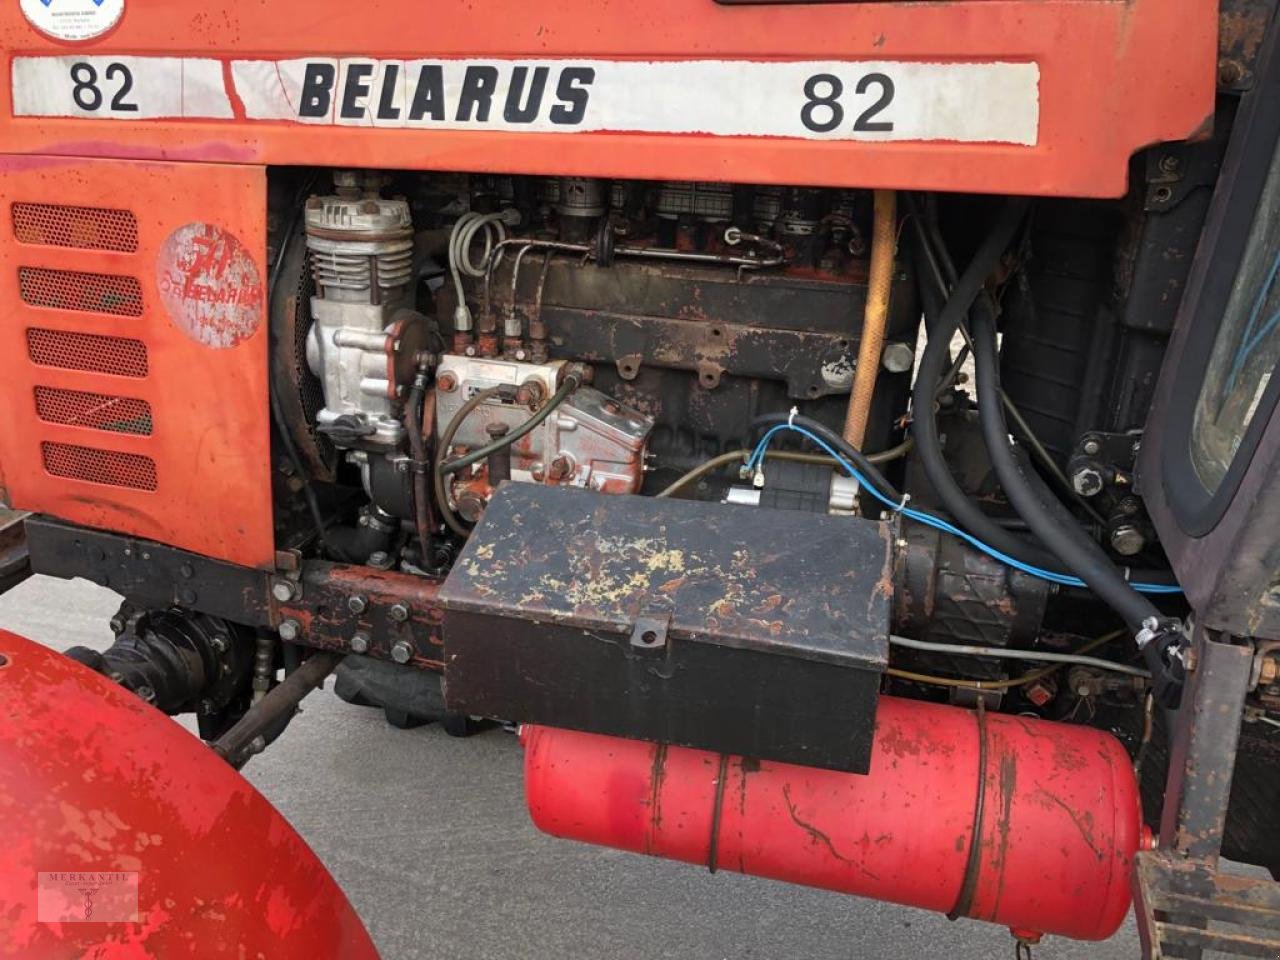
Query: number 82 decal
column 823, row 111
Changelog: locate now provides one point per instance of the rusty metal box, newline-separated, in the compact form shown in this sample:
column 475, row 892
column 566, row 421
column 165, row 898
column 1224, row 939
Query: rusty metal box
column 737, row 629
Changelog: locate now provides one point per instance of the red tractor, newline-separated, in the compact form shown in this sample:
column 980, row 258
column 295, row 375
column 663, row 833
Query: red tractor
column 841, row 436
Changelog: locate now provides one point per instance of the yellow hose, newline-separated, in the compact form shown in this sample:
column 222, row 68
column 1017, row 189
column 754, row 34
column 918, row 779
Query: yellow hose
column 879, row 282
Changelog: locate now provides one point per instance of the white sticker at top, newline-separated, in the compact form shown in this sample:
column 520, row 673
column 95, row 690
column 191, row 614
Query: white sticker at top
column 119, row 88
column 73, row 19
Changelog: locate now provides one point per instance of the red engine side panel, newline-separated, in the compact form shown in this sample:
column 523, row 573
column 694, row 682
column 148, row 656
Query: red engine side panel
column 135, row 349
column 1111, row 76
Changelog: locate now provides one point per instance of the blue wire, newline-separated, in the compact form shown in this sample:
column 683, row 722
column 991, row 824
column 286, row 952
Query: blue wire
column 930, row 520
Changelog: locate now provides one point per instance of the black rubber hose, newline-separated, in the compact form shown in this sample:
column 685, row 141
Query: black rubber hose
column 446, row 439
column 571, row 382
column 1080, row 554
column 842, row 446
column 933, row 364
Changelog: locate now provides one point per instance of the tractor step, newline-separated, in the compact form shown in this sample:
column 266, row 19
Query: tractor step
column 1187, row 909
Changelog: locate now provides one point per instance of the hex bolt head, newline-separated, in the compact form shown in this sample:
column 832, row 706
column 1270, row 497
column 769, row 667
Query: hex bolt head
column 399, row 612
column 401, row 651
column 290, row 630
column 1091, row 447
column 357, row 604
column 282, row 590
column 1087, row 481
column 360, row 642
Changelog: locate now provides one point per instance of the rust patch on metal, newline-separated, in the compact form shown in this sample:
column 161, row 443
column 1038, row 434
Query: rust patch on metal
column 657, row 775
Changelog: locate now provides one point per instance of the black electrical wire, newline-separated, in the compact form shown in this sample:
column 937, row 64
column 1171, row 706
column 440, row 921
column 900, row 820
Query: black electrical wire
column 572, row 381
column 273, row 390
column 846, row 449
column 933, row 364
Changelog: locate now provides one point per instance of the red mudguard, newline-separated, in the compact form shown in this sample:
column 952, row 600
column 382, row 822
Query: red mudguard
column 109, row 808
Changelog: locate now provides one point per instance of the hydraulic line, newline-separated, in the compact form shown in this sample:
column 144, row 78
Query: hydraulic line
column 446, row 438
column 1042, row 656
column 1024, row 680
column 1157, row 637
column 415, row 423
column 933, row 362
column 875, row 317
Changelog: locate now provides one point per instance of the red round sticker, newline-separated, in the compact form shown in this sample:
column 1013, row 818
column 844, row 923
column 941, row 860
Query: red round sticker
column 210, row 285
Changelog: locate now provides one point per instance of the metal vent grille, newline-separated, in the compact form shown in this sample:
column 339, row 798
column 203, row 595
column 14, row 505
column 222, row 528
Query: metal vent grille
column 72, row 290
column 99, row 411
column 85, row 228
column 108, row 467
column 119, row 356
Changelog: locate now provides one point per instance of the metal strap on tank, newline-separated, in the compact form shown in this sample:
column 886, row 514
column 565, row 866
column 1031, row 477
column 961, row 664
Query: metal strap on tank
column 969, row 885
column 713, row 848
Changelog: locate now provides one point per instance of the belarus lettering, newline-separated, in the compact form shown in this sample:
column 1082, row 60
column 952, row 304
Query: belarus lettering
column 444, row 92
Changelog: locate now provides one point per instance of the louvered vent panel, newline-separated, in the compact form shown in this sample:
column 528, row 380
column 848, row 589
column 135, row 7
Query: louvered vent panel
column 84, row 228
column 98, row 411
column 121, row 356
column 73, row 290
column 109, row 467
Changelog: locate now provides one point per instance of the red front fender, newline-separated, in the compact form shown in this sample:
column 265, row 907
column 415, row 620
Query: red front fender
column 95, row 782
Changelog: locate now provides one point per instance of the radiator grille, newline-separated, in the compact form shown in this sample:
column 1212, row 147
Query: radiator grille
column 72, row 290
column 119, row 356
column 99, row 411
column 85, row 228
column 109, row 467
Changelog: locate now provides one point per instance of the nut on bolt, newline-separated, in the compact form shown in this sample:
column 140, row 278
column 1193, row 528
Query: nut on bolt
column 360, row 642
column 290, row 630
column 357, row 604
column 283, row 590
column 401, row 651
column 399, row 612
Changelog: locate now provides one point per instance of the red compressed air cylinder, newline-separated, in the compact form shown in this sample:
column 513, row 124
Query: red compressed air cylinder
column 1053, row 810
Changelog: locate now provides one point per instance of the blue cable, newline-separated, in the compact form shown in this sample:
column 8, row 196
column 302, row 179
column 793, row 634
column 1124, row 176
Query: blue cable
column 930, row 520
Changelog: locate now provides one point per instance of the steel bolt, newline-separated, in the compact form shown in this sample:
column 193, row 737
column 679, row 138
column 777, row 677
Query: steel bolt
column 290, row 630
column 446, row 382
column 401, row 651
column 357, row 604
column 1091, row 447
column 1127, row 539
column 282, row 590
column 360, row 642
column 898, row 357
column 399, row 612
column 1087, row 481
column 379, row 560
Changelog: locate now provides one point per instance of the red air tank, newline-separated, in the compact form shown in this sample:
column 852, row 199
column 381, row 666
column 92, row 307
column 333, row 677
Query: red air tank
column 1018, row 821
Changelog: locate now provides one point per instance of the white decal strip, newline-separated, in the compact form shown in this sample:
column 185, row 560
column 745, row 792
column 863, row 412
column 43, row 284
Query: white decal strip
column 819, row 100
column 119, row 88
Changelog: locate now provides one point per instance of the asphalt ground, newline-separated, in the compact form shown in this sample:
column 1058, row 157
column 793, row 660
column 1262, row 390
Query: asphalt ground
column 428, row 836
